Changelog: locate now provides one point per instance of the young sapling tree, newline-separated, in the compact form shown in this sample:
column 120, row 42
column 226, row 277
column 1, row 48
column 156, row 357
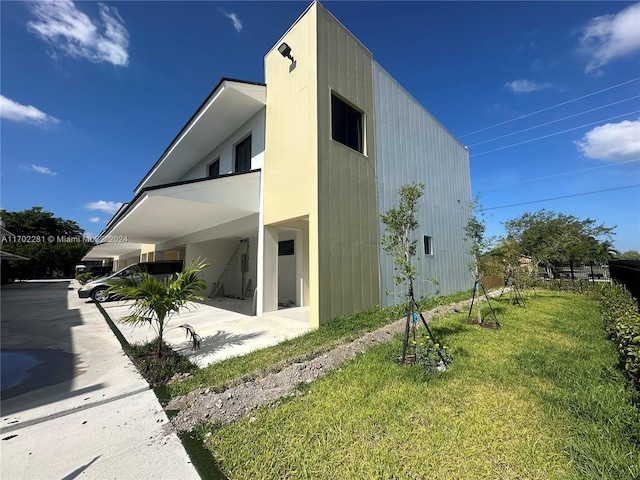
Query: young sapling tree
column 399, row 223
column 478, row 243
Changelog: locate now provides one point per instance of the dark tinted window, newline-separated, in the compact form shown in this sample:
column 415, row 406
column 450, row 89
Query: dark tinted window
column 163, row 268
column 214, row 169
column 346, row 124
column 285, row 247
column 243, row 155
column 427, row 245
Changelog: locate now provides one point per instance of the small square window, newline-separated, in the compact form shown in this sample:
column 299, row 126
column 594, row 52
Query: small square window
column 214, row 169
column 346, row 124
column 428, row 247
column 286, row 247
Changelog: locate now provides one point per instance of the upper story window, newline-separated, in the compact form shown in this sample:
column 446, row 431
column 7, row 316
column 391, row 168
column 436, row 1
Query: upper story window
column 346, row 124
column 213, row 170
column 243, row 156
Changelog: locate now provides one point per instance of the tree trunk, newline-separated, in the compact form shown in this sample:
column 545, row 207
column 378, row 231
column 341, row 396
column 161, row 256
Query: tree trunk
column 160, row 332
column 571, row 268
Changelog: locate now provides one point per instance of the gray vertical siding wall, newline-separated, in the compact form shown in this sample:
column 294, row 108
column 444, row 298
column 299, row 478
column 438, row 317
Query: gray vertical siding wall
column 412, row 146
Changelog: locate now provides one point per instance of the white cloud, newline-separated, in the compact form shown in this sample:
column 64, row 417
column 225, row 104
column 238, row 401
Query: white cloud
column 24, row 113
column 95, row 219
column 526, row 86
column 107, row 207
column 613, row 141
column 39, row 169
column 609, row 37
column 61, row 24
column 236, row 21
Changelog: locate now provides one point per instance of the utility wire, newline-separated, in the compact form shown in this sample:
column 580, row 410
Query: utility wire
column 564, row 196
column 550, row 108
column 555, row 121
column 560, row 174
column 553, row 134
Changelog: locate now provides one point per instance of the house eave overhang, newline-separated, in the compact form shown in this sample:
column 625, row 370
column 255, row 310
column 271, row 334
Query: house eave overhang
column 111, row 250
column 229, row 105
column 165, row 212
column 11, row 256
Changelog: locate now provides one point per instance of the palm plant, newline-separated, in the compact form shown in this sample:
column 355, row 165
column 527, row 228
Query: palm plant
column 156, row 301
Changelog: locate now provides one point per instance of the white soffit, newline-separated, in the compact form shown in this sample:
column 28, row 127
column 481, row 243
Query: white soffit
column 228, row 109
column 109, row 250
column 173, row 211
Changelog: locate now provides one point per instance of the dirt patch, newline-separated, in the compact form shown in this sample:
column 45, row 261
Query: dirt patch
column 205, row 405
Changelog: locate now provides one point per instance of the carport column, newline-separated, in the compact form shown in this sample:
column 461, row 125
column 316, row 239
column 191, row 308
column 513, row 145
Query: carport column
column 302, row 267
column 268, row 271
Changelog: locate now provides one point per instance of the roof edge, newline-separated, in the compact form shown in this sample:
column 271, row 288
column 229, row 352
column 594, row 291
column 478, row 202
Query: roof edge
column 122, row 212
column 195, row 114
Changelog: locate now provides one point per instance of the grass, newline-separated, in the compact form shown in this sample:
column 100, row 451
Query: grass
column 540, row 398
column 340, row 330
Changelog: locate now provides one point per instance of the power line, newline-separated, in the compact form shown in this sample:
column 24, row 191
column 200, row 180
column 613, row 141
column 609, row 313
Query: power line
column 561, row 174
column 550, row 108
column 565, row 196
column 554, row 134
column 555, row 121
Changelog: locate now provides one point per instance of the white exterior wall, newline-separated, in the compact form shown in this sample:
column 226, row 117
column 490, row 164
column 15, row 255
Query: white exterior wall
column 226, row 150
column 218, row 253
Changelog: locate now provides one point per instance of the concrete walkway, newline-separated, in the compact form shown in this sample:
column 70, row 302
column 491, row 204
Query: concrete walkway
column 225, row 325
column 72, row 403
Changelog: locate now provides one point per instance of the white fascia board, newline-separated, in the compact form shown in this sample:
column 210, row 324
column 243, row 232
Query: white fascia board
column 252, row 98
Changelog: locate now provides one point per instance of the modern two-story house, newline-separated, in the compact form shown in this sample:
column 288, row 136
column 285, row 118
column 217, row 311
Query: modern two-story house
column 291, row 176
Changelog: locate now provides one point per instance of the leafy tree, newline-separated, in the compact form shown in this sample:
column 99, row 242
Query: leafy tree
column 475, row 235
column 629, row 255
column 399, row 222
column 50, row 243
column 549, row 237
column 156, row 301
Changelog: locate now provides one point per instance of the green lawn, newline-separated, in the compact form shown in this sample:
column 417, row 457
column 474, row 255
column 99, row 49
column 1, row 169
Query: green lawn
column 340, row 330
column 540, row 398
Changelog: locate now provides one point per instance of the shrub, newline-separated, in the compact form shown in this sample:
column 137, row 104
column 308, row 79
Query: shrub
column 85, row 277
column 158, row 370
column 431, row 356
column 622, row 323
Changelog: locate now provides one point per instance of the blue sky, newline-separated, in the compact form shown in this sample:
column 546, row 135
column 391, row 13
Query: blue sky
column 545, row 94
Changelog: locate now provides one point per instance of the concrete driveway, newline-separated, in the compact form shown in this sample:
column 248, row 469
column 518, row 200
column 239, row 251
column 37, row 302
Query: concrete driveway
column 72, row 403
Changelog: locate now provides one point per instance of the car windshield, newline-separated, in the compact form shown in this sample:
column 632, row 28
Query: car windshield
column 125, row 272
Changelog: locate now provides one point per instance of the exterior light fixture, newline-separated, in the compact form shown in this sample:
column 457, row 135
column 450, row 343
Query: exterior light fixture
column 285, row 51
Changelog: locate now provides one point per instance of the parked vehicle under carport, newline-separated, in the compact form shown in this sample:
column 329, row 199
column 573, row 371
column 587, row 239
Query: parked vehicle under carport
column 161, row 269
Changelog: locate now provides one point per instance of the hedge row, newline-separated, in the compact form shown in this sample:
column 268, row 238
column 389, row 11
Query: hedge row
column 622, row 322
column 621, row 319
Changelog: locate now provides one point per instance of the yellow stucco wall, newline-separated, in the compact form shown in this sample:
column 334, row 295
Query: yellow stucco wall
column 309, row 176
column 147, row 252
column 290, row 175
column 291, row 147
